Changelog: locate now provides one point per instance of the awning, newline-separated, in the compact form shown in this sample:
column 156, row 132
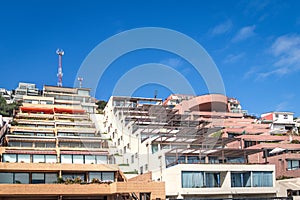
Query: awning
column 276, row 150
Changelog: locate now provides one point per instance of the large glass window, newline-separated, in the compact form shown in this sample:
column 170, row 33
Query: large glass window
column 101, row 159
column 236, row 160
column 6, row 178
column 95, row 175
column 108, row 176
column 154, row 148
column 240, row 179
column 66, row 158
column 21, row 178
column 24, row 158
column 38, row 178
column 192, row 179
column 73, row 176
column 293, row 164
column 78, row 159
column 212, row 179
column 50, row 158
column 90, row 159
column 50, row 177
column 9, row 158
column 262, row 179
column 38, row 158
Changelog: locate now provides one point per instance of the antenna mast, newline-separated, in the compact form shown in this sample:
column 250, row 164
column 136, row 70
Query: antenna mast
column 80, row 79
column 60, row 53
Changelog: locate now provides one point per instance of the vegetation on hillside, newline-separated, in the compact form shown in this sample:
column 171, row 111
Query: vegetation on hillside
column 7, row 110
column 101, row 105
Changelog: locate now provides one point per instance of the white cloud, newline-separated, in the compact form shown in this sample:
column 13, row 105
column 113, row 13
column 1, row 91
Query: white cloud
column 222, row 28
column 286, row 51
column 283, row 106
column 172, row 62
column 231, row 58
column 244, row 33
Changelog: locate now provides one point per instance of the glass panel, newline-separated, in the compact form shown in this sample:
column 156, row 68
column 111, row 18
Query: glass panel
column 9, row 158
column 51, row 158
column 240, row 179
column 50, row 177
column 101, row 159
column 154, row 148
column 6, row 178
column 108, row 176
column 193, row 159
column 78, row 159
column 170, row 160
column 95, row 176
column 38, row 158
column 212, row 179
column 66, row 158
column 262, row 179
column 90, row 159
column 22, row 178
column 26, row 144
column 73, row 176
column 38, row 178
column 24, row 158
column 192, row 179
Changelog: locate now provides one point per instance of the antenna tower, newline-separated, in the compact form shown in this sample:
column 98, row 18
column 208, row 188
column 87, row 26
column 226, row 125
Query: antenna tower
column 60, row 53
column 80, row 79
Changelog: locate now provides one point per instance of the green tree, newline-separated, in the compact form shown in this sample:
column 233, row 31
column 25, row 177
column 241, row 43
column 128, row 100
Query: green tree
column 101, row 104
column 7, row 110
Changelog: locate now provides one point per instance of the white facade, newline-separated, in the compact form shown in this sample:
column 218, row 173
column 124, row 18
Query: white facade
column 219, row 181
column 280, row 122
column 136, row 127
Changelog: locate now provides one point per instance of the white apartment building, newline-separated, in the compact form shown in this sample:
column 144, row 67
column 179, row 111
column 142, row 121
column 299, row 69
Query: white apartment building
column 145, row 135
column 280, row 122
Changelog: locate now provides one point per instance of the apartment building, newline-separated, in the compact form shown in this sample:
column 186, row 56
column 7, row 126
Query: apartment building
column 54, row 151
column 26, row 89
column 187, row 140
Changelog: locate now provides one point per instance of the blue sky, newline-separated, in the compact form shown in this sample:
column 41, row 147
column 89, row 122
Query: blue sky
column 255, row 44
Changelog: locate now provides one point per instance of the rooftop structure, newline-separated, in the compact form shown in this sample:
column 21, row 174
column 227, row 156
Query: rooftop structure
column 26, row 89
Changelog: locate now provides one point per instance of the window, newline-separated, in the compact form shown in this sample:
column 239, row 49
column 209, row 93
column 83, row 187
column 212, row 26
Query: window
column 38, row 158
column 103, row 176
column 23, row 158
column 293, row 164
column 108, row 176
column 50, row 158
column 78, row 159
column 146, row 167
column 198, row 179
column 38, row 178
column 90, row 159
column 73, row 176
column 192, row 179
column 170, row 160
column 212, row 179
column 41, row 178
column 132, row 159
column 21, row 178
column 6, row 177
column 235, row 160
column 9, row 158
column 101, row 159
column 154, row 148
column 285, row 116
column 240, row 179
column 66, row 158
column 262, row 179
